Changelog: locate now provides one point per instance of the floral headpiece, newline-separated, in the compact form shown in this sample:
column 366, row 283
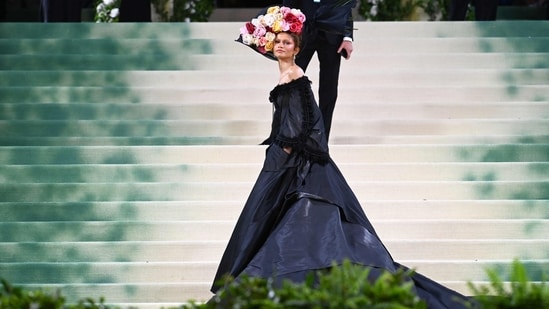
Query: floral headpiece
column 260, row 32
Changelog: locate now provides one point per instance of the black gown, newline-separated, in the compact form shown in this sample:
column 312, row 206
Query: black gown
column 301, row 214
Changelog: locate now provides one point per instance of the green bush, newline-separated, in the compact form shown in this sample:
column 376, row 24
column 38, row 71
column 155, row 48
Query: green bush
column 520, row 293
column 184, row 10
column 403, row 10
column 17, row 298
column 345, row 286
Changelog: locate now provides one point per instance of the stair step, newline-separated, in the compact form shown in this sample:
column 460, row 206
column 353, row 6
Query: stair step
column 110, row 49
column 235, row 56
column 204, row 231
column 107, row 47
column 414, row 95
column 252, row 110
column 245, row 172
column 373, row 190
column 385, row 61
column 338, row 139
column 219, row 128
column 95, row 62
column 244, row 154
column 503, row 28
column 175, row 272
column 161, row 62
column 151, row 295
column 205, row 255
column 230, row 210
column 422, row 139
column 190, row 79
column 242, row 110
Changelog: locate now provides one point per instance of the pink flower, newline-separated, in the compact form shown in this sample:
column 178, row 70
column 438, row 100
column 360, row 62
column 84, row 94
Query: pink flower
column 285, row 10
column 260, row 31
column 262, row 41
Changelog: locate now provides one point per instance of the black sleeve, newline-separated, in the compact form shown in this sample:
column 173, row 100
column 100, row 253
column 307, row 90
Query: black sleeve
column 300, row 124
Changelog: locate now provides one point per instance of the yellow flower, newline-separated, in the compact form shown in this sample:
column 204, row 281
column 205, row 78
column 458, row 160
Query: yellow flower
column 277, row 26
column 269, row 45
column 273, row 9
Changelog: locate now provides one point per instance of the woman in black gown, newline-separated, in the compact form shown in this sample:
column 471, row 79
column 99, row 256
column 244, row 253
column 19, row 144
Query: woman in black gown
column 301, row 215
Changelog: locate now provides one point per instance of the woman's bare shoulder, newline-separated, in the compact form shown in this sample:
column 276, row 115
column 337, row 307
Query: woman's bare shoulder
column 296, row 73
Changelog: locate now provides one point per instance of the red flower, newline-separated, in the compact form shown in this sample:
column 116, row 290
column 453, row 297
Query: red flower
column 296, row 27
column 291, row 19
column 261, row 49
column 250, row 27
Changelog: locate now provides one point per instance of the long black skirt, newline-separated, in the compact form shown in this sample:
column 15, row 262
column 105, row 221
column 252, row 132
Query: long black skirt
column 302, row 216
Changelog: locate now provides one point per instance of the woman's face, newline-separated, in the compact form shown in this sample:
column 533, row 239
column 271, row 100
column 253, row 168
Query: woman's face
column 284, row 46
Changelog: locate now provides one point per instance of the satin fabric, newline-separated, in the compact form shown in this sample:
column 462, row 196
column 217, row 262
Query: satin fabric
column 302, row 215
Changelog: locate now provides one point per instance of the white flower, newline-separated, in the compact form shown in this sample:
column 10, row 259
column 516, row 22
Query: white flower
column 268, row 20
column 114, row 13
column 247, row 39
column 270, row 36
column 107, row 11
column 256, row 21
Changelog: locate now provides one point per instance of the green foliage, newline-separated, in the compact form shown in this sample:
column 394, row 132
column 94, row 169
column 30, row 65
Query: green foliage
column 388, row 10
column 436, row 9
column 107, row 11
column 17, row 298
column 345, row 286
column 403, row 10
column 342, row 286
column 519, row 293
column 184, row 10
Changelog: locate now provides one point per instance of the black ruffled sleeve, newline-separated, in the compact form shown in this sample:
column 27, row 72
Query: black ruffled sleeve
column 297, row 121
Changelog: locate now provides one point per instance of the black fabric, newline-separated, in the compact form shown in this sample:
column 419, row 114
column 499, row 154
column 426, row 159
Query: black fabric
column 323, row 33
column 330, row 16
column 135, row 11
column 61, row 10
column 299, row 127
column 335, row 16
column 484, row 10
column 301, row 214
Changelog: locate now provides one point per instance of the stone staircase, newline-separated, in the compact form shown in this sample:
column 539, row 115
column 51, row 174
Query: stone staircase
column 128, row 150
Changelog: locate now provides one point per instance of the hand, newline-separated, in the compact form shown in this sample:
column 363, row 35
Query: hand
column 288, row 150
column 348, row 47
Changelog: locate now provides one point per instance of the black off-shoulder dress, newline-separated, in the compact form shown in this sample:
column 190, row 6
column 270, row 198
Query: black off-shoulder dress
column 301, row 214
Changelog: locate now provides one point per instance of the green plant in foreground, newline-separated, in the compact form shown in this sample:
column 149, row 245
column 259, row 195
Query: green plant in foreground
column 344, row 286
column 17, row 298
column 341, row 286
column 519, row 293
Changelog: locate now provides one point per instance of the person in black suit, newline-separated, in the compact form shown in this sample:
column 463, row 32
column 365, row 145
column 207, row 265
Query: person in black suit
column 484, row 9
column 61, row 10
column 135, row 11
column 328, row 32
